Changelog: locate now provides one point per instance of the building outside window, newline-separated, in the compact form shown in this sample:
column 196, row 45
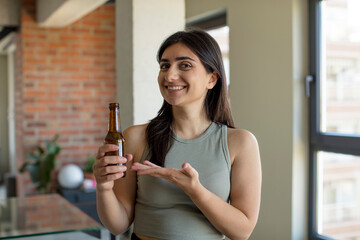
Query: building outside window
column 335, row 119
column 221, row 35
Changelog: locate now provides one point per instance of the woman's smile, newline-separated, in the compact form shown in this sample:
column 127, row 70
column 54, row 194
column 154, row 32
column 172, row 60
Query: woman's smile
column 174, row 88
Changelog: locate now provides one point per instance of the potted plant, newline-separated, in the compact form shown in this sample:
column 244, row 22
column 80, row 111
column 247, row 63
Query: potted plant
column 88, row 168
column 41, row 163
column 89, row 183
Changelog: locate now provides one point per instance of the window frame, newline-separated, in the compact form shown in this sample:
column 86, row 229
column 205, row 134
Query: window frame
column 320, row 141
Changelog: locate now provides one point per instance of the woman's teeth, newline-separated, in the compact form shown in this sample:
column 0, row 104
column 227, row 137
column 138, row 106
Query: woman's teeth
column 175, row 87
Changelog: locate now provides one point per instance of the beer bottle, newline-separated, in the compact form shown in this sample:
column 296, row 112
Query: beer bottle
column 114, row 135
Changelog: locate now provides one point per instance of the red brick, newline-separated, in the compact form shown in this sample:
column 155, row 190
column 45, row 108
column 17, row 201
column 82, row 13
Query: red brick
column 35, row 109
column 69, row 69
column 32, row 60
column 47, row 116
column 77, row 29
column 61, row 82
column 70, row 53
column 71, row 100
column 93, row 69
column 48, row 84
column 35, row 44
column 58, row 109
column 50, row 133
column 58, row 45
column 37, row 124
column 46, row 101
column 92, row 53
column 45, row 68
column 93, row 38
column 32, row 76
column 46, row 52
column 81, row 92
column 104, row 31
column 92, row 85
column 70, row 132
column 69, row 85
column 59, row 61
column 80, row 61
column 69, row 37
column 28, row 68
column 32, row 93
column 93, row 23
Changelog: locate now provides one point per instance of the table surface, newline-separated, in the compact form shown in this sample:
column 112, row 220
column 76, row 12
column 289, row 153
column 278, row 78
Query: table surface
column 42, row 214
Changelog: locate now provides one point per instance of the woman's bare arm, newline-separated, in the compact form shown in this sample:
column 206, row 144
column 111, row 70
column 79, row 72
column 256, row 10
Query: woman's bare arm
column 115, row 195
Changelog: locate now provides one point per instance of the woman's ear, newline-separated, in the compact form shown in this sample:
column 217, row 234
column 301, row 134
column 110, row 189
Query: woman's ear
column 213, row 80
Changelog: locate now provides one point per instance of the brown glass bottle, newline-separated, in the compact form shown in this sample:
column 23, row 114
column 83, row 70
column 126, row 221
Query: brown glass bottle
column 114, row 135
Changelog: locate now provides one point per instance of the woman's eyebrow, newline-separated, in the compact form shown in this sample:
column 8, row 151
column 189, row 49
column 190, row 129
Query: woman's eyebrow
column 177, row 59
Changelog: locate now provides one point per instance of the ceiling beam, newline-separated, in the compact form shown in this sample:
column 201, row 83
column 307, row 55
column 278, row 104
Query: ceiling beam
column 60, row 13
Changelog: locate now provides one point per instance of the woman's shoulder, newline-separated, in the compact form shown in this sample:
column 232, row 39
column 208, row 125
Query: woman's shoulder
column 136, row 131
column 135, row 137
column 239, row 135
column 241, row 141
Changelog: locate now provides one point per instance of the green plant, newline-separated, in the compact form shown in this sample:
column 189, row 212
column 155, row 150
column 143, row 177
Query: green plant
column 41, row 162
column 88, row 168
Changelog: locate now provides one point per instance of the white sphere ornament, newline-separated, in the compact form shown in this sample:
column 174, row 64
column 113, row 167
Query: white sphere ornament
column 70, row 176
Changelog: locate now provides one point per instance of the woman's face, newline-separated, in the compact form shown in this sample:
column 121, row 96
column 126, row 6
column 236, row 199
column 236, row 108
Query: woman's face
column 182, row 77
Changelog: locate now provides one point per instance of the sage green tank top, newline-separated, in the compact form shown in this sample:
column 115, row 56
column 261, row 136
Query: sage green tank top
column 163, row 210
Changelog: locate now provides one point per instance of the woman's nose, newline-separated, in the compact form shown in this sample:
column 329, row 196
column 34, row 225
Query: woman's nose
column 171, row 74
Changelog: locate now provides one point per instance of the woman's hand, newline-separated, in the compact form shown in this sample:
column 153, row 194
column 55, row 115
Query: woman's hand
column 107, row 168
column 186, row 178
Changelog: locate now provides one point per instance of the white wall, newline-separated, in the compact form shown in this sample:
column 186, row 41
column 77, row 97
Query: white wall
column 268, row 60
column 142, row 25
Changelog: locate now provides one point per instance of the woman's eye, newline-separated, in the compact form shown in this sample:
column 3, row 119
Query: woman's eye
column 164, row 66
column 185, row 65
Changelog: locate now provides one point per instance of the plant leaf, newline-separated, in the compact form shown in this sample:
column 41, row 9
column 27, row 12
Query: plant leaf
column 34, row 157
column 34, row 171
column 24, row 167
column 40, row 150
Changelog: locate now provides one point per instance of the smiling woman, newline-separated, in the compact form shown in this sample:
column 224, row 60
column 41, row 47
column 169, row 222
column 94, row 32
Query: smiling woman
column 182, row 76
column 194, row 176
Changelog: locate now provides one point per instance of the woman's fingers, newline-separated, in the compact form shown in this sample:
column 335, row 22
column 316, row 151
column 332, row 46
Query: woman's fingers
column 106, row 148
column 136, row 166
column 146, row 162
column 112, row 169
column 129, row 157
column 110, row 177
column 188, row 169
column 110, row 160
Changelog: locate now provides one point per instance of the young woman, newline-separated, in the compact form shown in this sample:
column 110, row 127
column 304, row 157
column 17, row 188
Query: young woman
column 193, row 175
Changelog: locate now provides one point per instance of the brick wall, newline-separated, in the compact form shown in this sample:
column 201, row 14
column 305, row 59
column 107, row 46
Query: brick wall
column 68, row 79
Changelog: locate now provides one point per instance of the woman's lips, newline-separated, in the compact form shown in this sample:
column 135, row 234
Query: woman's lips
column 174, row 88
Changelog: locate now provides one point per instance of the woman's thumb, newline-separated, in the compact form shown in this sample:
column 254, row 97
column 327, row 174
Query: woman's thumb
column 189, row 169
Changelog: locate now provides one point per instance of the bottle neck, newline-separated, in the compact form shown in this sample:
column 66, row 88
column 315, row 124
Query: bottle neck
column 114, row 120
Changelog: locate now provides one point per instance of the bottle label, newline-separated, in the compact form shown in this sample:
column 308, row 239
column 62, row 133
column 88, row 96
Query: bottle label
column 119, row 152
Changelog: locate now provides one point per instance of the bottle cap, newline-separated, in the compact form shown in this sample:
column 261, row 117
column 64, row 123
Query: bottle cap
column 113, row 105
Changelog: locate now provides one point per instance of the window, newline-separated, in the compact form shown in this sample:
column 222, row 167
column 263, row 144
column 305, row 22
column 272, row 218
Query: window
column 221, row 35
column 334, row 87
column 215, row 24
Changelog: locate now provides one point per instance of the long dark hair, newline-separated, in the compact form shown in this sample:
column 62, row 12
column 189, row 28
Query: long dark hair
column 158, row 132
